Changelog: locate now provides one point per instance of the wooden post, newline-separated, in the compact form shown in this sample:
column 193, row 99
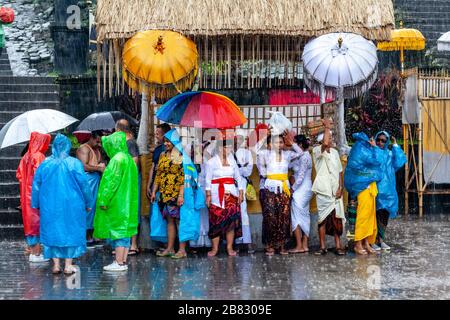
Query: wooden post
column 420, row 182
column 406, row 150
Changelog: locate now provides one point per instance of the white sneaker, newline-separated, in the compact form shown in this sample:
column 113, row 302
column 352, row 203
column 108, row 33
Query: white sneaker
column 115, row 267
column 376, row 247
column 37, row 259
column 385, row 247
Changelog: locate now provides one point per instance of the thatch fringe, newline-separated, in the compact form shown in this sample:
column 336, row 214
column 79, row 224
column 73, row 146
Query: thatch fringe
column 118, row 19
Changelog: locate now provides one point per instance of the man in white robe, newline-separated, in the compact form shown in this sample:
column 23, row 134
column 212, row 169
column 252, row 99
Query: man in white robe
column 328, row 187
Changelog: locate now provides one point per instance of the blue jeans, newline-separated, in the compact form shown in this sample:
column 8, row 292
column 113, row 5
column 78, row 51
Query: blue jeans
column 125, row 242
column 32, row 240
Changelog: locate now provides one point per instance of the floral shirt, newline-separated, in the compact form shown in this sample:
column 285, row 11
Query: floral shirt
column 169, row 176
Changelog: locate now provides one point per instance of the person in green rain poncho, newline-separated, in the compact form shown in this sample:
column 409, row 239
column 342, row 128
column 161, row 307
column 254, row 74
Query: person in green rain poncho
column 116, row 217
column 2, row 33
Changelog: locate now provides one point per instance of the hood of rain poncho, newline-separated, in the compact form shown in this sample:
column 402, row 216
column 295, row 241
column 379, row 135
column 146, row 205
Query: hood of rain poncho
column 364, row 165
column 28, row 165
column 388, row 137
column 39, row 142
column 189, row 229
column 392, row 161
column 61, row 147
column 115, row 143
column 63, row 218
column 116, row 213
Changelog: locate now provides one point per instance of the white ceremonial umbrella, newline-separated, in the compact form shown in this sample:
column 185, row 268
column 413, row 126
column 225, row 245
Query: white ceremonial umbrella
column 344, row 63
column 19, row 129
column 443, row 43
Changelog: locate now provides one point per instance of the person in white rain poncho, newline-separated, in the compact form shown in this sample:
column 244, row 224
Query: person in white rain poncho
column 328, row 187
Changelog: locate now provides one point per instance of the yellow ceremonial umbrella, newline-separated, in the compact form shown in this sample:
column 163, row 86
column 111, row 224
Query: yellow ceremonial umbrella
column 403, row 39
column 160, row 63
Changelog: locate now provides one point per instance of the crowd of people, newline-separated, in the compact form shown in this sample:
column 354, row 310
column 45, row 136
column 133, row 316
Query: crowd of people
column 70, row 204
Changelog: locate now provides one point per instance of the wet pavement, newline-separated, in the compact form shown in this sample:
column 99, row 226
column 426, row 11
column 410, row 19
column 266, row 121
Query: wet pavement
column 417, row 268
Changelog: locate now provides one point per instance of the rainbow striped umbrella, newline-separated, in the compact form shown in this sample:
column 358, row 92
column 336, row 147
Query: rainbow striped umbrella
column 202, row 109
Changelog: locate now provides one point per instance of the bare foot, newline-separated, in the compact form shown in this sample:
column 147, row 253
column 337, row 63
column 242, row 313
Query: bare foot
column 370, row 250
column 232, row 253
column 296, row 250
column 212, row 253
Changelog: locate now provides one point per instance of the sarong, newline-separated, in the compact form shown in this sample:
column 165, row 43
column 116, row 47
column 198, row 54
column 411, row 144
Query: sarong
column 382, row 222
column 276, row 226
column 300, row 214
column 223, row 220
column 366, row 218
column 94, row 182
column 333, row 225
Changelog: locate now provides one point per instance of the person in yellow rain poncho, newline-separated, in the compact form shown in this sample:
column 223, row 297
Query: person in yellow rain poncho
column 362, row 174
column 116, row 217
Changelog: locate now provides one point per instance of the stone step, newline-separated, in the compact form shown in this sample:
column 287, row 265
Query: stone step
column 6, row 116
column 22, row 106
column 27, row 80
column 5, row 66
column 10, row 217
column 11, row 232
column 8, row 163
column 8, row 176
column 6, row 73
column 9, row 188
column 28, row 87
column 29, row 96
column 9, row 202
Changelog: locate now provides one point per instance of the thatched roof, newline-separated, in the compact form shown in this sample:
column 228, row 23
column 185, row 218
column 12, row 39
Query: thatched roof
column 119, row 19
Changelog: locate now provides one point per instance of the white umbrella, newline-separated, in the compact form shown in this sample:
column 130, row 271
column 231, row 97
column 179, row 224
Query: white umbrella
column 443, row 43
column 19, row 129
column 343, row 63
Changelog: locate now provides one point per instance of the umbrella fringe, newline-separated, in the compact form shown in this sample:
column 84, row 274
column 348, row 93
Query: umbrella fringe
column 350, row 92
column 162, row 92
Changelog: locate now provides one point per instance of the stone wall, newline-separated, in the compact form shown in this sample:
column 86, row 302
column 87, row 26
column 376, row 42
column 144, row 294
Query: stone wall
column 28, row 39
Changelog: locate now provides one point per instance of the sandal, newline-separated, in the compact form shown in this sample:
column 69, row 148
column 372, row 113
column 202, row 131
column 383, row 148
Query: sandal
column 179, row 255
column 167, row 254
column 232, row 254
column 284, row 253
column 340, row 252
column 133, row 252
column 270, row 252
column 321, row 252
column 56, row 271
column 69, row 271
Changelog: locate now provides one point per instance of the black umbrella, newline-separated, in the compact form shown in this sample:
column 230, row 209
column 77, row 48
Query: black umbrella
column 105, row 121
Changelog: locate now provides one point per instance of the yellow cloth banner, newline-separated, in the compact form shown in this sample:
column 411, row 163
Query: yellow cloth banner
column 436, row 125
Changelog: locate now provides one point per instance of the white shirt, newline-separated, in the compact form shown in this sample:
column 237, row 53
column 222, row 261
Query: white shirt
column 268, row 165
column 245, row 160
column 215, row 170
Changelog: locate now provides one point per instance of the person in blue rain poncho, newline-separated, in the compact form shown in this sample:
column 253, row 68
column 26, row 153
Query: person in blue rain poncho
column 362, row 174
column 61, row 192
column 387, row 199
column 182, row 210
